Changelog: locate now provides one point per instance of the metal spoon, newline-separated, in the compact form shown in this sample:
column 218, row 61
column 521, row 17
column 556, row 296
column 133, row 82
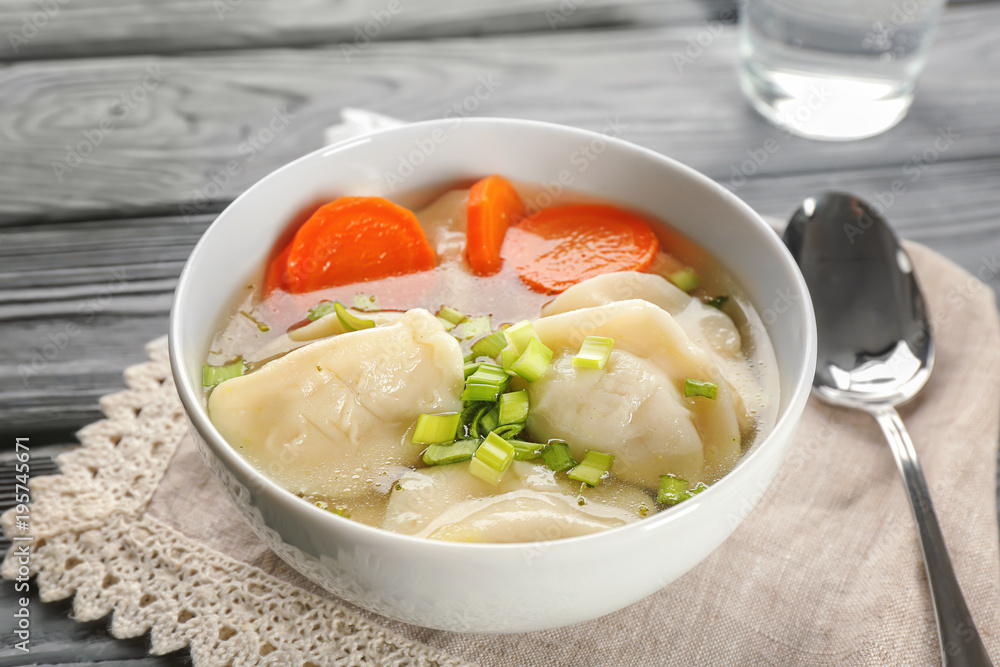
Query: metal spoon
column 875, row 352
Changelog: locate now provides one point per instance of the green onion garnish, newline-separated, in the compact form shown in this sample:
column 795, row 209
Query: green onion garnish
column 508, row 356
column 488, row 421
column 366, row 302
column 435, row 429
column 492, row 459
column 449, row 314
column 350, row 322
column 491, row 345
column 470, row 368
column 514, row 407
column 592, row 467
column 474, row 327
column 448, row 326
column 490, row 374
column 594, row 353
column 717, row 301
column 557, row 456
column 533, row 363
column 525, row 451
column 673, row 490
column 685, row 279
column 213, row 375
column 518, row 335
column 480, row 392
column 319, row 310
column 440, row 455
column 694, row 387
column 508, row 431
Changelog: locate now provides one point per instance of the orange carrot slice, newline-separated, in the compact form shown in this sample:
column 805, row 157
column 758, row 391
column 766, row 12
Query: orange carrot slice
column 560, row 246
column 493, row 205
column 274, row 277
column 353, row 240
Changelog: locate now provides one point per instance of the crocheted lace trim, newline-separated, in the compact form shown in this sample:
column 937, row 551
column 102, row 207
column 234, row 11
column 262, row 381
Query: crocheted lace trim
column 92, row 539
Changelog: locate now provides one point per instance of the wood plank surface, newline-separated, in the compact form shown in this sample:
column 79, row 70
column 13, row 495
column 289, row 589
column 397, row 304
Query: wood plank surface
column 110, row 283
column 203, row 111
column 64, row 29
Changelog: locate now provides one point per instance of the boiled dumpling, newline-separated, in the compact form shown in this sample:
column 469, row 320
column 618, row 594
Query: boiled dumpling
column 530, row 503
column 331, row 418
column 635, row 408
column 708, row 327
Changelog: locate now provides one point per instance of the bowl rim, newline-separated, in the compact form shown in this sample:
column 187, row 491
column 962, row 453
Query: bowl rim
column 196, row 412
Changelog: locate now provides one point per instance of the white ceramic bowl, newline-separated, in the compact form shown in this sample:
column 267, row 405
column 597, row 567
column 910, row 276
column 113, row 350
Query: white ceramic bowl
column 494, row 587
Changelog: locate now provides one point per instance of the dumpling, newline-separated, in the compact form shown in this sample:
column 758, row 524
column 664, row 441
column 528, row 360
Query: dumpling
column 635, row 408
column 529, row 504
column 331, row 418
column 444, row 222
column 708, row 327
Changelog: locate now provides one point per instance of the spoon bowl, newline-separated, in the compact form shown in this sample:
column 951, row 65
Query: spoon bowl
column 875, row 351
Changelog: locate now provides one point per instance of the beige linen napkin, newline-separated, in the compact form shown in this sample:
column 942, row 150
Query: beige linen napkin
column 826, row 570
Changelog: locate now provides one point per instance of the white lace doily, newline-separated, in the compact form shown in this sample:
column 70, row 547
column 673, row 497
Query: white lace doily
column 93, row 538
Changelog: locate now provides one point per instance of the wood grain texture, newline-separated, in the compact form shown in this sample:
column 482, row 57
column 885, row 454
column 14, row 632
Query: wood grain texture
column 205, row 111
column 64, row 28
column 110, row 283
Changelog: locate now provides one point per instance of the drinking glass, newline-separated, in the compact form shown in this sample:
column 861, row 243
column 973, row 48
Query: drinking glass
column 834, row 69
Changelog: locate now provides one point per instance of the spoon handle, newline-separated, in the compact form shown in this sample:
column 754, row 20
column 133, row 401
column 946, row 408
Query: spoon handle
column 961, row 645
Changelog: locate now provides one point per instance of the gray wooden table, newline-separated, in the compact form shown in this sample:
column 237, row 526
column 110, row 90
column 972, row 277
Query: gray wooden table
column 116, row 118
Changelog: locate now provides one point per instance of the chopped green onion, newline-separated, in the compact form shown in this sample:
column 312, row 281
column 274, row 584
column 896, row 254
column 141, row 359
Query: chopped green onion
column 366, row 302
column 456, row 452
column 492, row 459
column 508, row 431
column 350, row 322
column 594, row 353
column 448, row 326
column 520, row 334
column 490, row 374
column 685, row 279
column 491, row 345
column 319, row 310
column 557, row 456
column 434, row 429
column 673, row 490
column 508, row 356
column 480, row 392
column 592, row 467
column 451, row 315
column 488, row 421
column 474, row 327
column 213, row 375
column 525, row 451
column 694, row 387
column 514, row 407
column 471, row 368
column 717, row 301
column 533, row 363
column 470, row 417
